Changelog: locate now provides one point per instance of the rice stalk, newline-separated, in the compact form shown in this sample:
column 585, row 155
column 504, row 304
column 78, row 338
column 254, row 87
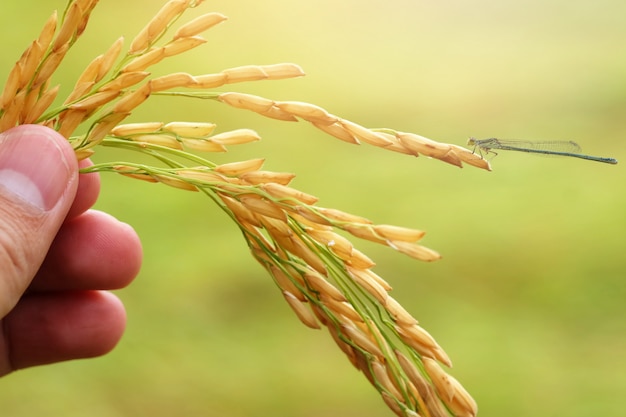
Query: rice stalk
column 324, row 278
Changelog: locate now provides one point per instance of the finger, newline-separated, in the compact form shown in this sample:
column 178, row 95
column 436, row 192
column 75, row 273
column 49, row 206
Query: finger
column 87, row 193
column 91, row 251
column 38, row 181
column 54, row 327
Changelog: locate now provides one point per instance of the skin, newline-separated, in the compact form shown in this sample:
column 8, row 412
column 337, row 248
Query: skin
column 56, row 270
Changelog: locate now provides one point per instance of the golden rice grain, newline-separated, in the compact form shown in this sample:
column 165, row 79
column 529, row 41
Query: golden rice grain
column 199, row 25
column 360, row 260
column 236, row 137
column 133, row 172
column 285, row 282
column 160, row 140
column 49, row 66
column 450, row 391
column 341, row 216
column 369, row 285
column 361, row 340
column 239, row 210
column 69, row 121
column 182, row 45
column 262, row 206
column 130, row 129
column 403, row 234
column 241, row 167
column 104, row 126
column 262, row 177
column 47, row 33
column 124, row 81
column 283, row 71
column 308, row 112
column 95, row 100
column 72, row 18
column 41, row 105
column 399, row 313
column 415, row 251
column 322, row 286
column 128, row 103
column 338, row 131
column 109, row 58
column 303, row 312
column 245, row 73
column 144, row 61
column 209, row 80
column 169, row 81
column 288, row 195
column 175, row 182
column 203, row 145
column 380, row 373
column 366, row 135
column 157, row 24
column 190, row 129
column 246, row 101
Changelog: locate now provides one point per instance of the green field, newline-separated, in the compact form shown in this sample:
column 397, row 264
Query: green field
column 529, row 299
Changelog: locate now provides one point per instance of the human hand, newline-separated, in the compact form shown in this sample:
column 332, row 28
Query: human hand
column 57, row 257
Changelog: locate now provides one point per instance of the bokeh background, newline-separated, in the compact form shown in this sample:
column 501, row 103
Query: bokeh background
column 529, row 299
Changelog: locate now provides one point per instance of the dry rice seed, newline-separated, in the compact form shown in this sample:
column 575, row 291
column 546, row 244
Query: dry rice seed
column 310, row 213
column 135, row 173
column 382, row 377
column 285, row 282
column 157, row 25
column 29, row 101
column 246, row 101
column 360, row 260
column 263, row 177
column 377, row 278
column 241, row 167
column 145, row 60
column 90, row 73
column 190, row 129
column 422, row 342
column 126, row 80
column 204, row 175
column 11, row 86
column 83, row 154
column 363, row 231
column 240, row 211
column 414, row 375
column 398, row 233
column 236, row 137
column 47, row 33
column 169, row 81
column 460, row 402
column 71, row 20
column 369, row 285
column 158, row 139
column 283, row 71
column 366, row 135
column 28, row 64
column 423, row 145
column 301, row 250
column 361, row 340
column 104, row 126
column 345, row 348
column 287, row 193
column 308, row 112
column 397, row 146
column 276, row 113
column 262, row 206
column 183, row 45
column 130, row 101
column 276, row 227
column 341, row 216
column 322, row 286
column 176, row 183
column 244, row 73
column 109, row 58
column 338, row 131
column 209, row 80
column 471, row 158
column 49, row 66
column 418, row 334
column 80, row 90
column 415, row 251
column 343, row 308
column 11, row 115
column 399, row 313
column 199, row 25
column 130, row 129
column 340, row 246
column 392, row 403
column 69, row 121
column 41, row 105
column 95, row 101
column 203, row 145
column 304, row 313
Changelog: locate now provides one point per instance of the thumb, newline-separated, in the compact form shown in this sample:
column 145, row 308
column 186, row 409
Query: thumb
column 38, row 180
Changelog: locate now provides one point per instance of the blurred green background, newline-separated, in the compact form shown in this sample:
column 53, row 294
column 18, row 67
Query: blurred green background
column 529, row 298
